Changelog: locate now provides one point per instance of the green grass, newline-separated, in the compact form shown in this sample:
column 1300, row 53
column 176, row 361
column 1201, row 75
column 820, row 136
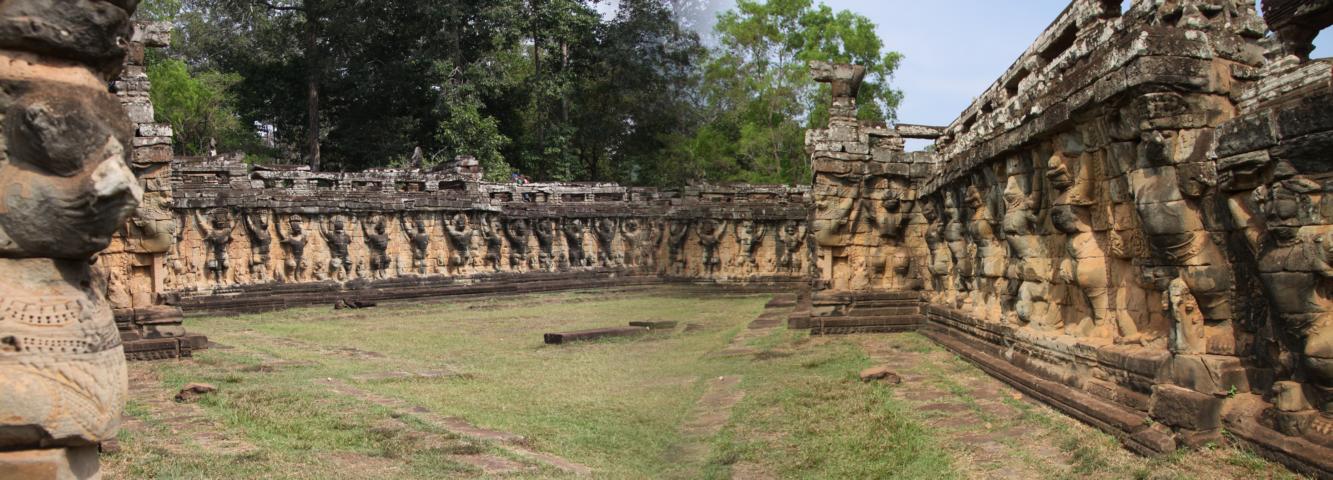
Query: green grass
column 615, row 406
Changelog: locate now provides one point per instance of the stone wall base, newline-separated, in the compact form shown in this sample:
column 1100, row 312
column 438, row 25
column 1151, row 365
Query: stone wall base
column 51, row 464
column 270, row 297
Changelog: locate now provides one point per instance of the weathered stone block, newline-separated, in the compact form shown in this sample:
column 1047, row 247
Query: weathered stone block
column 1185, row 408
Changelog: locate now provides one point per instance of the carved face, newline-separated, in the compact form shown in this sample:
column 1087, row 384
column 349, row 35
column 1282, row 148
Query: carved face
column 221, row 223
column 1065, row 218
column 708, row 227
column 631, row 226
column 419, row 225
column 790, row 228
column 460, row 221
column 748, row 227
column 65, row 184
column 1282, row 209
column 379, row 228
column 338, row 227
column 296, row 226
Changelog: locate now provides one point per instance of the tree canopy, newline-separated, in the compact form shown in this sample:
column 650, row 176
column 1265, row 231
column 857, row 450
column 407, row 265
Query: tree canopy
column 555, row 89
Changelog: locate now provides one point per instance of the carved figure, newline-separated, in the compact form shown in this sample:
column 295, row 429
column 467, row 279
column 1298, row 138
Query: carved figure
column 749, row 236
column 459, row 233
column 518, row 231
column 573, row 230
column 377, row 241
column 605, row 230
column 418, row 237
column 261, row 244
column 940, row 260
column 217, row 235
column 65, row 188
column 679, row 232
column 635, row 237
column 788, row 245
column 1032, row 271
column 710, row 236
column 336, row 237
column 1297, row 270
column 959, row 251
column 493, row 234
column 294, row 242
column 545, row 231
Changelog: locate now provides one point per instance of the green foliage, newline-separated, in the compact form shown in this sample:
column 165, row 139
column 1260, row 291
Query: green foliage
column 198, row 107
column 759, row 91
column 550, row 88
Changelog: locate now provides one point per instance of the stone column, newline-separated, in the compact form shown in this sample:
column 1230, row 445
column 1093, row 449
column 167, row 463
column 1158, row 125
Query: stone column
column 65, row 188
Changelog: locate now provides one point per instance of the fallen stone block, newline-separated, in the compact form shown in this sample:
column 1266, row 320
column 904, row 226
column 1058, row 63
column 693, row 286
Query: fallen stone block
column 584, row 335
column 654, row 325
column 352, row 304
column 883, row 374
column 193, row 391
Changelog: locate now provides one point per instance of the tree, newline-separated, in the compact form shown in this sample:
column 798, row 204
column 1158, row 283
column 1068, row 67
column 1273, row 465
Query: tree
column 758, row 91
column 199, row 108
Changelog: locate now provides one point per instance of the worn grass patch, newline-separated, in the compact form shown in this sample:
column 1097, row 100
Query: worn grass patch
column 616, row 406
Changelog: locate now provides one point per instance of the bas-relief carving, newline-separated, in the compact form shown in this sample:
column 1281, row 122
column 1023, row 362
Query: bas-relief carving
column 293, row 241
column 749, row 237
column 518, row 231
column 545, row 230
column 789, row 242
column 492, row 234
column 338, row 242
column 459, row 232
column 65, row 188
column 605, row 231
column 575, row 254
column 217, row 232
column 261, row 243
column 418, row 238
column 374, row 231
column 710, row 232
column 678, row 233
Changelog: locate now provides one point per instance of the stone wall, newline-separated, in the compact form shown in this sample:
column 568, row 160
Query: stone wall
column 250, row 233
column 1130, row 224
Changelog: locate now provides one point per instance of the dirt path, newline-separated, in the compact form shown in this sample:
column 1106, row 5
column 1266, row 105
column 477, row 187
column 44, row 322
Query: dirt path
column 512, row 443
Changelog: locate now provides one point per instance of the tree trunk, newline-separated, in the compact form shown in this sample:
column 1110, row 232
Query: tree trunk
column 312, row 55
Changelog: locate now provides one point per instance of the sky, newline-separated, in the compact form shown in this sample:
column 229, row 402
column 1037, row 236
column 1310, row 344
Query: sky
column 954, row 49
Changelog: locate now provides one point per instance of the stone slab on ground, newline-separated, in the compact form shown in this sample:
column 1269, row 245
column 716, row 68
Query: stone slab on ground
column 593, row 334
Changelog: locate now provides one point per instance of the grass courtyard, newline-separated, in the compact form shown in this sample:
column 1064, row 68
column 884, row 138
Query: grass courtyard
column 466, row 389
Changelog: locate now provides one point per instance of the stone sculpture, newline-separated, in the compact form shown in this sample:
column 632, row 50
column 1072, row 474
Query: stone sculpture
column 710, row 234
column 338, row 241
column 574, row 252
column 217, row 235
column 635, row 237
column 679, row 232
column 545, row 232
column 605, row 230
column 459, row 232
column 1032, row 270
column 377, row 241
column 261, row 244
column 65, row 188
column 517, row 231
column 493, row 234
column 788, row 244
column 294, row 243
column 750, row 236
column 418, row 237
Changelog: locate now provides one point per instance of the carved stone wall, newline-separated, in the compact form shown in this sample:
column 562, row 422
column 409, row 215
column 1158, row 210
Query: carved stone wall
column 65, row 187
column 251, row 233
column 1131, row 223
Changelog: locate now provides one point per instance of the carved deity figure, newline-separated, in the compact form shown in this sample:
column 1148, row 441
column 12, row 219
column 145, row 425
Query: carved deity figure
column 788, row 243
column 294, row 242
column 679, row 232
column 749, row 237
column 1032, row 271
column 261, row 244
column 217, row 236
column 377, row 241
column 1297, row 270
column 605, row 230
column 518, row 231
column 459, row 232
column 635, row 236
column 418, row 237
column 574, row 251
column 65, row 188
column 991, row 257
column 710, row 237
column 892, row 216
column 959, row 250
column 338, row 241
column 545, row 232
column 940, row 262
column 492, row 233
